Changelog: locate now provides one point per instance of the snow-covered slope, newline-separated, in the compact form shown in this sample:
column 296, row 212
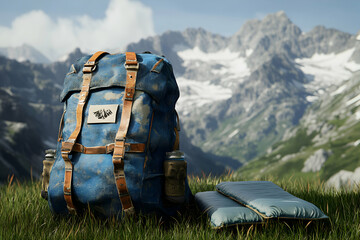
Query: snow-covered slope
column 326, row 70
column 209, row 77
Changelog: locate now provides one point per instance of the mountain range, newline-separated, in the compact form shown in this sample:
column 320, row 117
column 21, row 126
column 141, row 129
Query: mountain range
column 245, row 96
column 325, row 144
column 239, row 95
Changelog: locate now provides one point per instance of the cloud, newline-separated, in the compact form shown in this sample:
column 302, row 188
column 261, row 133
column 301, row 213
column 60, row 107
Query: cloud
column 125, row 21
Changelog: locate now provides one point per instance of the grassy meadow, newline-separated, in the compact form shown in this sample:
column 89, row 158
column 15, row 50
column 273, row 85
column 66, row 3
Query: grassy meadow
column 25, row 215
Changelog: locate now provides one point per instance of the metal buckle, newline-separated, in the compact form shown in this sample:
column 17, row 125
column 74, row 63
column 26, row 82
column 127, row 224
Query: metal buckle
column 107, row 148
column 126, row 145
column 121, row 139
column 82, row 149
column 131, row 66
column 89, row 69
column 89, row 64
column 65, row 151
column 129, row 96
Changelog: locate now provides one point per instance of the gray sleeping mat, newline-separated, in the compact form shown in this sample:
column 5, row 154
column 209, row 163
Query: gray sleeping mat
column 269, row 200
column 223, row 211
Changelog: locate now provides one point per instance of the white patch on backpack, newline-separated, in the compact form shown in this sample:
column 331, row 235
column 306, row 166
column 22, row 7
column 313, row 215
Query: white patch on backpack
column 102, row 113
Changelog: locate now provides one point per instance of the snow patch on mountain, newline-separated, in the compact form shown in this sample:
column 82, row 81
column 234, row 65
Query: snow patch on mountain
column 248, row 52
column 230, row 65
column 236, row 131
column 353, row 100
column 325, row 70
column 216, row 75
column 196, row 94
column 339, row 90
column 353, row 66
column 197, row 54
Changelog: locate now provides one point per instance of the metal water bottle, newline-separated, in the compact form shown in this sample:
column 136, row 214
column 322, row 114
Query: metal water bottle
column 175, row 176
column 47, row 165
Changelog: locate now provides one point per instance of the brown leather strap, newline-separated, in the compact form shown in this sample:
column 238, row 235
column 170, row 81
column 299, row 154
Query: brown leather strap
column 132, row 67
column 177, row 130
column 67, row 147
column 68, row 177
column 177, row 140
column 155, row 66
column 61, row 126
column 129, row 148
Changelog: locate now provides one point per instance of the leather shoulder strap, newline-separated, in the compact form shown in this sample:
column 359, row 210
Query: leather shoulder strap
column 177, row 130
column 68, row 145
column 132, row 67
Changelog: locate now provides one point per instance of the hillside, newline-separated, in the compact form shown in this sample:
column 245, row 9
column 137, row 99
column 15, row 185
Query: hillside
column 325, row 145
column 29, row 113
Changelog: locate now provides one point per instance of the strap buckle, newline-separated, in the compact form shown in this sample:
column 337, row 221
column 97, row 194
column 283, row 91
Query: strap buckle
column 120, row 139
column 127, row 146
column 108, row 148
column 67, row 147
column 132, row 66
column 89, row 67
column 89, row 64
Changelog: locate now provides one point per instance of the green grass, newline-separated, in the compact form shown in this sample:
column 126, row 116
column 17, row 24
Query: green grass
column 293, row 145
column 24, row 215
column 338, row 122
column 271, row 163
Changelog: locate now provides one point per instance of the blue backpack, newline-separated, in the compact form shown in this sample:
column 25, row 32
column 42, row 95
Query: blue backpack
column 118, row 141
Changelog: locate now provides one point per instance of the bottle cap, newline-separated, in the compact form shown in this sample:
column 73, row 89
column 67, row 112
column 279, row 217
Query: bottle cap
column 50, row 153
column 175, row 154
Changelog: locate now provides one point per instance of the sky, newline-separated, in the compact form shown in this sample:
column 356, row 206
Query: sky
column 57, row 27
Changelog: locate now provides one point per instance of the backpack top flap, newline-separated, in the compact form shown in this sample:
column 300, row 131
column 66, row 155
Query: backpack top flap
column 155, row 77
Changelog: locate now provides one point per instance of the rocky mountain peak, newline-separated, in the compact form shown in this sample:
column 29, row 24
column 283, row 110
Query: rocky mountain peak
column 279, row 16
column 74, row 55
column 324, row 40
column 279, row 69
column 276, row 27
column 204, row 40
column 23, row 53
